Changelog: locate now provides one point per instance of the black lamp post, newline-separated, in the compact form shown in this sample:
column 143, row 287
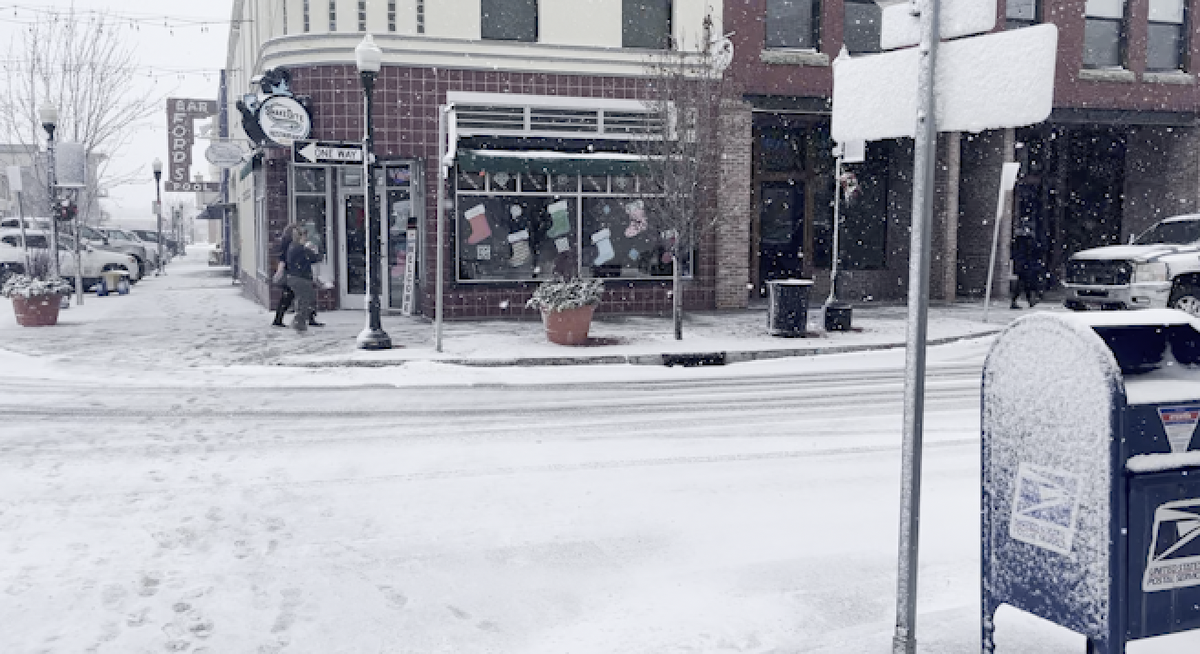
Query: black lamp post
column 48, row 114
column 157, row 166
column 368, row 57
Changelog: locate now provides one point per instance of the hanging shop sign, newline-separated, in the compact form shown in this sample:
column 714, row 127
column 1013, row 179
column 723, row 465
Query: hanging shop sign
column 283, row 120
column 274, row 115
column 181, row 116
column 224, row 154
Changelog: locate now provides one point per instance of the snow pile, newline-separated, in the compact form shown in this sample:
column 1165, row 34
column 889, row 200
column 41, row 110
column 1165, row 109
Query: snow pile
column 27, row 287
column 1048, row 394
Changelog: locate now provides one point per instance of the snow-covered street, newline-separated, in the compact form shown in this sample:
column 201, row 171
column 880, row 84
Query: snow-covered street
column 421, row 508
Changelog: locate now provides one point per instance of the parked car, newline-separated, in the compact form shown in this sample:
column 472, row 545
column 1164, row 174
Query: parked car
column 120, row 241
column 151, row 236
column 94, row 260
column 151, row 249
column 12, row 261
column 1159, row 268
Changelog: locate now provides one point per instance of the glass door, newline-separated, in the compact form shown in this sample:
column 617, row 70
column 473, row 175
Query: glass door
column 352, row 282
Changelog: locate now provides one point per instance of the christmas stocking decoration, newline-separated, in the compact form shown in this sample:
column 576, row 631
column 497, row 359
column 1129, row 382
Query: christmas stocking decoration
column 604, row 248
column 520, row 248
column 562, row 219
column 637, row 218
column 480, row 229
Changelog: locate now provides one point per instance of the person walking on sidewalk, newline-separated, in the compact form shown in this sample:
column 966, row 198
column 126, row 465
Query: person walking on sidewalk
column 288, row 296
column 1027, row 264
column 302, row 253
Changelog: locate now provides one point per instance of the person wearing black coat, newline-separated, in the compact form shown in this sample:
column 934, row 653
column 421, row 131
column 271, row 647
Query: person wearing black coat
column 288, row 296
column 302, row 253
column 1027, row 265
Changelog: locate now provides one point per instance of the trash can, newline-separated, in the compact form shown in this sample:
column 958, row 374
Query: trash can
column 787, row 306
column 1091, row 475
column 837, row 317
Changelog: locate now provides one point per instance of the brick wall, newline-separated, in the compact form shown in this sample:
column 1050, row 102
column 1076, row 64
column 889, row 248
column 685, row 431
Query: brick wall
column 733, row 204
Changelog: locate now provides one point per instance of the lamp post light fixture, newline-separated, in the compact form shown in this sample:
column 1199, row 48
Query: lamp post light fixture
column 157, row 167
column 48, row 114
column 368, row 58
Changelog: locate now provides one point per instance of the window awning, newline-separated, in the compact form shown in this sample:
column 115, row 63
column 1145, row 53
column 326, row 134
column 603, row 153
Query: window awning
column 547, row 161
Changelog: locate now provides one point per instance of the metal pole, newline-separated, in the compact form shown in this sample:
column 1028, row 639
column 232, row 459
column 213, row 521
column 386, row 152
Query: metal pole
column 51, row 178
column 158, row 216
column 372, row 336
column 987, row 293
column 837, row 205
column 904, row 641
column 24, row 245
column 441, row 230
column 78, row 260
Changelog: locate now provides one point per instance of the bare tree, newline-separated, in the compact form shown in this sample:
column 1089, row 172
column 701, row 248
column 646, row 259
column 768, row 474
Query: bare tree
column 688, row 96
column 84, row 67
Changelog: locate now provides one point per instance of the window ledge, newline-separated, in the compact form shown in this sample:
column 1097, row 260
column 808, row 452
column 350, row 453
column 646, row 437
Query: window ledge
column 1107, row 75
column 794, row 57
column 1173, row 77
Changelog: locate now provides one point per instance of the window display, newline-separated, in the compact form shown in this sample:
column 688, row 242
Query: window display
column 530, row 226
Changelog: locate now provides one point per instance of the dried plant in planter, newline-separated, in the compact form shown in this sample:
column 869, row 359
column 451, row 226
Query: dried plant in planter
column 37, row 281
column 561, row 294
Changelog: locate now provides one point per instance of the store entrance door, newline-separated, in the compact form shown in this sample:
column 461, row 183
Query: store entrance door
column 352, row 237
column 781, row 231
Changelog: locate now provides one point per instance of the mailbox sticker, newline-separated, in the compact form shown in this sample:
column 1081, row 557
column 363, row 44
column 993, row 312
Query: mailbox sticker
column 1180, row 423
column 1174, row 559
column 1045, row 508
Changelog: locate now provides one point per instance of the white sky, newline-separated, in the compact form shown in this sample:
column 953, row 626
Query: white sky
column 175, row 60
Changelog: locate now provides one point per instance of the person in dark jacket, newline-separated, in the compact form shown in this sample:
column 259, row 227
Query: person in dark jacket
column 1027, row 265
column 288, row 296
column 302, row 253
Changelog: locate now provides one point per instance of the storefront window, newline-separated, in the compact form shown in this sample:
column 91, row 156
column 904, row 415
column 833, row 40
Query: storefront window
column 401, row 223
column 582, row 226
column 311, row 209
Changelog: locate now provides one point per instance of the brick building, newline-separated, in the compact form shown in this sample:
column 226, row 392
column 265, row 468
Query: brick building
column 546, row 112
column 544, row 164
column 1117, row 153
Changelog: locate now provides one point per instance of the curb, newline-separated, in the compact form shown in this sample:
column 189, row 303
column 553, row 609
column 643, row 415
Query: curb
column 685, row 359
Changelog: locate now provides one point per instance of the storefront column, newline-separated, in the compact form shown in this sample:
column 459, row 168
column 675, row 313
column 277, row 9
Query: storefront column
column 733, row 205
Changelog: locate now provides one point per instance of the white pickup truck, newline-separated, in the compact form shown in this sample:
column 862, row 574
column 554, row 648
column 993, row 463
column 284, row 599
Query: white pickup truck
column 1159, row 268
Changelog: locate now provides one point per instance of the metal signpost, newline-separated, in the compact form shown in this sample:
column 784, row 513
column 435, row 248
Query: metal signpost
column 954, row 87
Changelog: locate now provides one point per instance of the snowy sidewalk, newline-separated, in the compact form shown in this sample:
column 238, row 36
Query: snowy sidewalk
column 195, row 317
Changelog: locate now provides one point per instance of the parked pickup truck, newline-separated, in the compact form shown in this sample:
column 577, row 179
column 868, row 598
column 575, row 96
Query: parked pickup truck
column 1159, row 268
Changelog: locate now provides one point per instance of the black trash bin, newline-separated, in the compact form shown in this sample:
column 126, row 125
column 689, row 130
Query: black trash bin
column 837, row 317
column 787, row 310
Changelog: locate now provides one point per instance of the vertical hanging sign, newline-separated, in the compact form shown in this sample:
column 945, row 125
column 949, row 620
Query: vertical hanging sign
column 181, row 116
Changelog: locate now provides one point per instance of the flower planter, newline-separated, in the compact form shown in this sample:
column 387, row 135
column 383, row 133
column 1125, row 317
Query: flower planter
column 570, row 326
column 36, row 311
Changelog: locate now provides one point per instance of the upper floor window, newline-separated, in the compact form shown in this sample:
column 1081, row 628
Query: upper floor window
column 793, row 23
column 391, row 15
column 1167, row 40
column 509, row 20
column 285, row 17
column 1022, row 13
column 306, row 25
column 646, row 24
column 1104, row 34
column 860, row 31
column 420, row 16
column 332, row 15
column 362, row 15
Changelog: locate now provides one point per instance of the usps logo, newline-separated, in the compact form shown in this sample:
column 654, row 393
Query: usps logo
column 1174, row 560
column 1180, row 423
column 1045, row 508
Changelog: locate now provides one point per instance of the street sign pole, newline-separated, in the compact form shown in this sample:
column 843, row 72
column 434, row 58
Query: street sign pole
column 904, row 641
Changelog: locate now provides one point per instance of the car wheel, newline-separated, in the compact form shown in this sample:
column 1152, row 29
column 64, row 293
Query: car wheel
column 1186, row 298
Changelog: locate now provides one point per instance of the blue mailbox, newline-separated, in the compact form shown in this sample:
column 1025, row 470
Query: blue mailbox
column 1091, row 474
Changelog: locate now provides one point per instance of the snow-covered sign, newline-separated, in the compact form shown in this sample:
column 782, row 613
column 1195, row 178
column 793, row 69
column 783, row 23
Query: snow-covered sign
column 900, row 27
column 70, row 165
column 985, row 82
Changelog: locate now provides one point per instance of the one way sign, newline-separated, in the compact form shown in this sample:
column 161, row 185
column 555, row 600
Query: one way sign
column 326, row 152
